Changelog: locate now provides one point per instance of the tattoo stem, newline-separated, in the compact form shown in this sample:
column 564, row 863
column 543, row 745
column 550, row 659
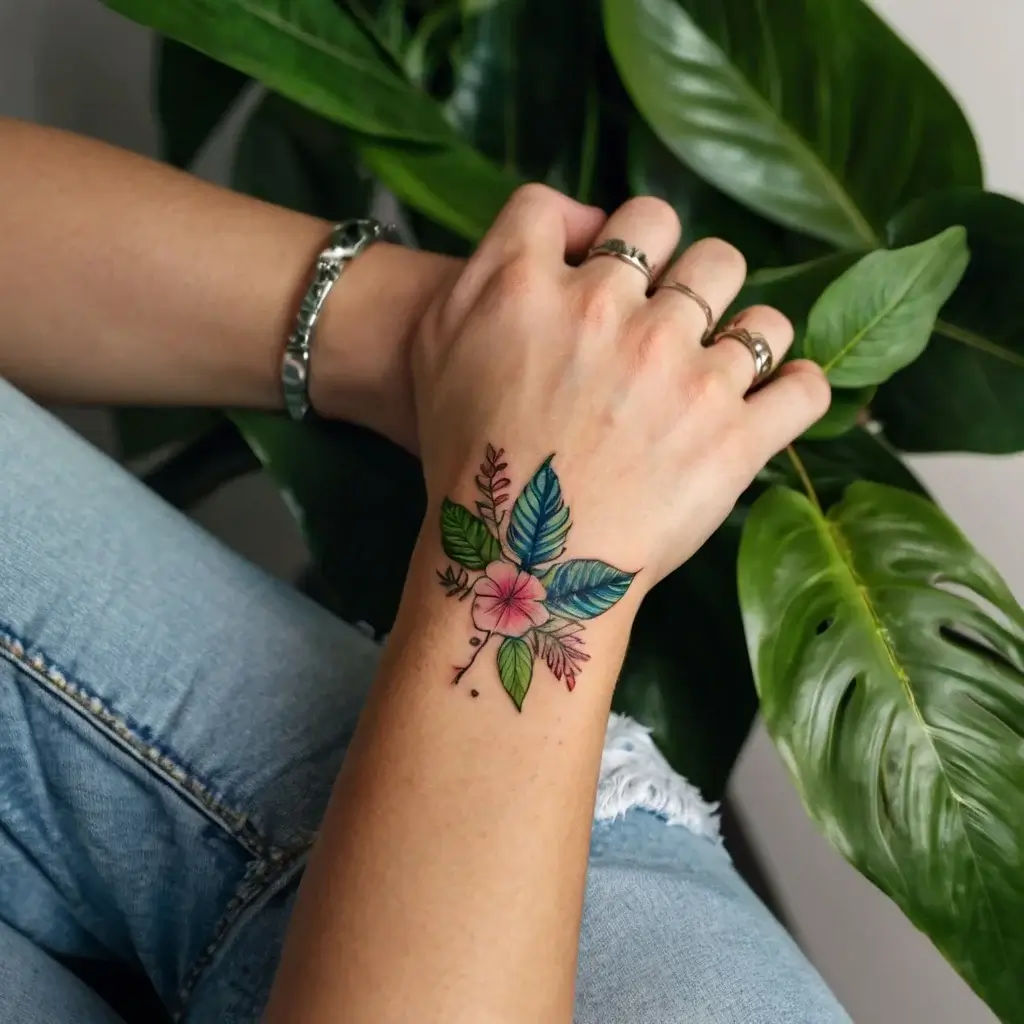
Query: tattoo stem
column 460, row 672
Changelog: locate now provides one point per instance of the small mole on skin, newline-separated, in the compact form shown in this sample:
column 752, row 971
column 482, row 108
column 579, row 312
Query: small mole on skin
column 474, row 693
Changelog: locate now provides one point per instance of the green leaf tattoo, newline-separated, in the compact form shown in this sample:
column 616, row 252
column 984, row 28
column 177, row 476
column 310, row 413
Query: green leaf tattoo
column 465, row 538
column 535, row 604
column 515, row 668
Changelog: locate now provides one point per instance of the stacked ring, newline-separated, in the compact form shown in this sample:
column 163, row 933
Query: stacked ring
column 630, row 254
column 705, row 307
column 757, row 346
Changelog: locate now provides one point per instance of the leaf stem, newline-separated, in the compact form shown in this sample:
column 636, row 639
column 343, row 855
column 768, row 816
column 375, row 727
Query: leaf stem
column 805, row 479
column 460, row 672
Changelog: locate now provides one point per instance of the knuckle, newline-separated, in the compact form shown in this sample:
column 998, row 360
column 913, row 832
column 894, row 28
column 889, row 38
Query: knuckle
column 596, row 306
column 720, row 254
column 652, row 209
column 708, row 389
column 514, row 282
column 531, row 195
column 770, row 322
column 814, row 390
column 650, row 344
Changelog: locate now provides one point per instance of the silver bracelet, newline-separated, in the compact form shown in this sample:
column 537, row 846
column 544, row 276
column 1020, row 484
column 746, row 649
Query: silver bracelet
column 348, row 239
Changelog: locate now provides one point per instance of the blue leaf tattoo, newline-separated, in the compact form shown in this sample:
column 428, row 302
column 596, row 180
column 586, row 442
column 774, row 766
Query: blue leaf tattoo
column 583, row 588
column 539, row 523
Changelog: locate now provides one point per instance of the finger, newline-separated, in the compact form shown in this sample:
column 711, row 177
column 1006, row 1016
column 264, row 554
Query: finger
column 733, row 359
column 648, row 223
column 714, row 272
column 795, row 399
column 539, row 221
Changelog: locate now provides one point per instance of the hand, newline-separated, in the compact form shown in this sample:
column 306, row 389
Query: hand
column 653, row 436
column 370, row 325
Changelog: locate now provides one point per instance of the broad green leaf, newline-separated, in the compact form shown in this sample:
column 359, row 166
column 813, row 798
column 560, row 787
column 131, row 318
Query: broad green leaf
column 358, row 499
column 311, row 51
column 515, row 668
column 889, row 657
column 878, row 317
column 687, row 675
column 793, row 289
column 455, row 186
column 143, row 431
column 966, row 393
column 193, row 95
column 814, row 114
column 583, row 588
column 834, row 464
column 465, row 538
column 842, row 414
column 704, row 211
column 539, row 522
column 293, row 158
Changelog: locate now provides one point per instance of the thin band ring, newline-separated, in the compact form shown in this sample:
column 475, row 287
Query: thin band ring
column 757, row 346
column 627, row 253
column 705, row 306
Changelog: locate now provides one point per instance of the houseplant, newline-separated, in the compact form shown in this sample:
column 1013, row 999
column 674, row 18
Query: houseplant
column 887, row 655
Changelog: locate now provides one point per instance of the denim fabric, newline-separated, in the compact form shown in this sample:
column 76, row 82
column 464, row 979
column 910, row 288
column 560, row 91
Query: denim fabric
column 171, row 723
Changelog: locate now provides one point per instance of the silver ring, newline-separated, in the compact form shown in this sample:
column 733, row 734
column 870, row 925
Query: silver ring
column 627, row 253
column 757, row 346
column 705, row 306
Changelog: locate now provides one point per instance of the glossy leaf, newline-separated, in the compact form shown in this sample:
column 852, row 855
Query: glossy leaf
column 705, row 212
column 358, row 499
column 878, row 317
column 813, row 114
column 465, row 538
column 889, row 657
column 193, row 95
column 311, row 51
column 966, row 393
column 583, row 588
column 455, row 186
column 539, row 522
column 842, row 415
column 515, row 668
column 686, row 675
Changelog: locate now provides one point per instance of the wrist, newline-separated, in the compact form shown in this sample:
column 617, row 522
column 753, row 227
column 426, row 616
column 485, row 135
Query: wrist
column 360, row 362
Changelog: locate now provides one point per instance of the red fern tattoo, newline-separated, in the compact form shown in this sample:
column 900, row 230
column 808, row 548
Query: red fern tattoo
column 492, row 487
column 560, row 644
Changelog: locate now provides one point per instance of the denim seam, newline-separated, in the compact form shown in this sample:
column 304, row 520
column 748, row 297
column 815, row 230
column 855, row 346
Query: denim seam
column 120, row 732
column 260, row 876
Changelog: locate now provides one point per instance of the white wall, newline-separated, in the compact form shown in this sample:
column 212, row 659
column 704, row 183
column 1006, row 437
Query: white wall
column 72, row 63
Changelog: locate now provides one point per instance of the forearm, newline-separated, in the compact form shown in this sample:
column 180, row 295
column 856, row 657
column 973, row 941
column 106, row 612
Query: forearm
column 126, row 281
column 450, row 871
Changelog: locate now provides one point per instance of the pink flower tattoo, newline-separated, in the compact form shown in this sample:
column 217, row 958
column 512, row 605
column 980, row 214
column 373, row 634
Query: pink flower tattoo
column 508, row 601
column 509, row 561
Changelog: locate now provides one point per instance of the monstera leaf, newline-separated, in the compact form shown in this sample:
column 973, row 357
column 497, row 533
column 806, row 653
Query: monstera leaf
column 814, row 114
column 965, row 392
column 889, row 657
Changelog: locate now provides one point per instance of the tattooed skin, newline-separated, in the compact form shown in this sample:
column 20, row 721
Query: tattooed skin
column 506, row 562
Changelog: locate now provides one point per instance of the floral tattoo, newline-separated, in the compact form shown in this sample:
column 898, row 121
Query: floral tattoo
column 507, row 561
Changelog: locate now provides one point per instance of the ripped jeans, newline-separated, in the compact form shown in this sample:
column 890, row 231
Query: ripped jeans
column 171, row 723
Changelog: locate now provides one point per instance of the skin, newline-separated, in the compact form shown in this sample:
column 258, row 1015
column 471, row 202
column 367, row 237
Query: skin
column 124, row 281
column 450, row 868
